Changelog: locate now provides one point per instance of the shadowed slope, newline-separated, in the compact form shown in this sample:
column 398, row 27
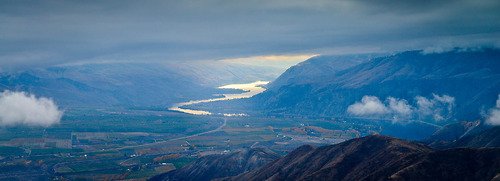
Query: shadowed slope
column 380, row 158
column 350, row 160
column 218, row 166
column 488, row 138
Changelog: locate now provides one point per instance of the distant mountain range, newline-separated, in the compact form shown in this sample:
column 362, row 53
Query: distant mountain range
column 374, row 157
column 329, row 87
column 131, row 84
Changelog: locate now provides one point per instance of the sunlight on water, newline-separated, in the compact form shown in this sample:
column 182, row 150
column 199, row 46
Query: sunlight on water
column 250, row 88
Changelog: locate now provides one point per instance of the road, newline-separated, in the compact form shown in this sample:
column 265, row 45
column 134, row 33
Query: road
column 149, row 144
column 179, row 138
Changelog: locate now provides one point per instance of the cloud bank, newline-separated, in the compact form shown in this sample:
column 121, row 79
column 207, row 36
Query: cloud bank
column 493, row 117
column 20, row 108
column 37, row 33
column 438, row 108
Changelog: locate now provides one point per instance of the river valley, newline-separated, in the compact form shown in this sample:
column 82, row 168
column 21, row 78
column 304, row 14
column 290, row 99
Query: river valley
column 250, row 89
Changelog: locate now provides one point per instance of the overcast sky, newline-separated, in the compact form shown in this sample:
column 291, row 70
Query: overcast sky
column 40, row 33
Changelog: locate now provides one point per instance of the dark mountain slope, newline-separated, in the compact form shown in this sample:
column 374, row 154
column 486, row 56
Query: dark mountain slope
column 350, row 160
column 452, row 132
column 219, row 166
column 380, row 158
column 472, row 164
column 473, row 78
column 317, row 68
column 488, row 138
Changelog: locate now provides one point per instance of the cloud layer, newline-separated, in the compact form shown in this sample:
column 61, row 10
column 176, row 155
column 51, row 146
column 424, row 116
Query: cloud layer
column 438, row 108
column 54, row 32
column 493, row 116
column 20, row 108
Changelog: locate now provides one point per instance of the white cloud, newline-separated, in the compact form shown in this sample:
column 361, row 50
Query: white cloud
column 369, row 105
column 20, row 108
column 437, row 108
column 493, row 117
column 400, row 109
column 400, row 106
column 424, row 105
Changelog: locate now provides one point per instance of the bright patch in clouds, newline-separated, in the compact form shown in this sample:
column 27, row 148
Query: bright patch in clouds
column 20, row 108
column 277, row 61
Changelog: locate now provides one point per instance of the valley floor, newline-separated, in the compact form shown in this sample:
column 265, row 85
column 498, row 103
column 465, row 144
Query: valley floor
column 103, row 144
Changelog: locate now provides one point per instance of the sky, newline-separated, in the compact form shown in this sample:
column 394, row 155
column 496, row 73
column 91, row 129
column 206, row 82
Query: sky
column 45, row 33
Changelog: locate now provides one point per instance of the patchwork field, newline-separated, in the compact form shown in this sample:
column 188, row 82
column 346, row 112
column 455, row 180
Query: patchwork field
column 137, row 144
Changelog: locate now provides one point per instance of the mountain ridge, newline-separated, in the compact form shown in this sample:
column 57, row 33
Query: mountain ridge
column 220, row 166
column 379, row 157
column 404, row 76
column 486, row 138
column 317, row 67
column 374, row 157
column 333, row 162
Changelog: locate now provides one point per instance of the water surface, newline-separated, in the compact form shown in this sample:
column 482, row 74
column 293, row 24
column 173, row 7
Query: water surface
column 250, row 89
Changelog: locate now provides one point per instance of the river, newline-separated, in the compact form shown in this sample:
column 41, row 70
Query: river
column 250, row 89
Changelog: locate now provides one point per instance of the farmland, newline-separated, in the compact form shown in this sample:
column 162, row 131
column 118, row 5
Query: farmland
column 136, row 144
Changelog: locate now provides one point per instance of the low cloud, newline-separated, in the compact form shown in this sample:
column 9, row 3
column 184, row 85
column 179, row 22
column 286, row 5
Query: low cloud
column 20, row 108
column 369, row 105
column 437, row 108
column 400, row 109
column 493, row 117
